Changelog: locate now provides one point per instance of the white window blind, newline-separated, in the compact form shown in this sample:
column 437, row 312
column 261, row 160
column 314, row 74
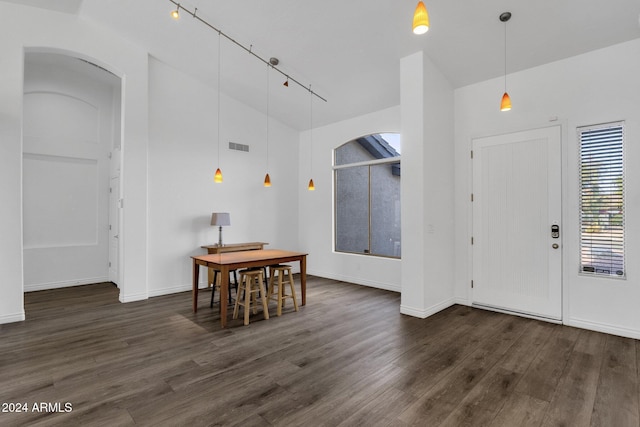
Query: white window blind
column 602, row 200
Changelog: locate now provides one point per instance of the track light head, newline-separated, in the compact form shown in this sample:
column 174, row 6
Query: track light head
column 175, row 14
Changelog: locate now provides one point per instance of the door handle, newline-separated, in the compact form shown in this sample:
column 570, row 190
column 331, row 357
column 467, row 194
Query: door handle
column 555, row 246
column 555, row 231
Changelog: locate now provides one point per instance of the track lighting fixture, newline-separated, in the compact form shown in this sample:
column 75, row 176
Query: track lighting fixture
column 420, row 19
column 505, row 104
column 175, row 14
column 286, row 83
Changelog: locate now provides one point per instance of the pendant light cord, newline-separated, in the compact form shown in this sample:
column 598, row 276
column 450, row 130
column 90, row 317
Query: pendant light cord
column 311, row 130
column 218, row 84
column 505, row 56
column 268, row 65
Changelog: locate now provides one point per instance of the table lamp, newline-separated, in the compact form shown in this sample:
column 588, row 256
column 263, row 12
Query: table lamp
column 220, row 219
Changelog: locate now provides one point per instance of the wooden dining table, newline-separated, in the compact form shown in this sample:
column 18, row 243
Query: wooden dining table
column 227, row 261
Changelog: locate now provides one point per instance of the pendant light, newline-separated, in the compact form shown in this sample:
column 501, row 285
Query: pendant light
column 420, row 19
column 267, row 178
column 505, row 104
column 218, row 176
column 311, row 186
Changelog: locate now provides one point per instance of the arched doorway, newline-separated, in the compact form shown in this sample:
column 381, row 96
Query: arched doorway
column 71, row 169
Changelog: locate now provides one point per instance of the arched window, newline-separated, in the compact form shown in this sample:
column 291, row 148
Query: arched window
column 367, row 195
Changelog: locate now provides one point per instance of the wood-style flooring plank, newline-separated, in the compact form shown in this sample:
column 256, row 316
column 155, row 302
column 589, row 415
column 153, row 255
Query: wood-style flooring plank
column 541, row 378
column 616, row 397
column 577, row 387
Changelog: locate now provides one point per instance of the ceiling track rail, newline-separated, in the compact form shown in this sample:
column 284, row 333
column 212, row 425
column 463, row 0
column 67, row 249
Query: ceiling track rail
column 249, row 50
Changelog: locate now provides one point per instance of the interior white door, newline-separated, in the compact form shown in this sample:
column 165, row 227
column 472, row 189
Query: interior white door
column 517, row 259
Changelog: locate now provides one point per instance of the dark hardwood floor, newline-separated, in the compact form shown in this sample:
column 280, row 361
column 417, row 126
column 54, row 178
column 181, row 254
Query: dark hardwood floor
column 348, row 358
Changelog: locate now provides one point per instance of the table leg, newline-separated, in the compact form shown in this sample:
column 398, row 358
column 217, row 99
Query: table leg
column 303, row 279
column 194, row 291
column 224, row 294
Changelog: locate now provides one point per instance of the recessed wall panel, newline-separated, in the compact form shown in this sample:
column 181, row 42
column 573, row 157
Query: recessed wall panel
column 60, row 200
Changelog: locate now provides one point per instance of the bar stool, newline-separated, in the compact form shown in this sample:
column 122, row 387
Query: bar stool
column 284, row 272
column 217, row 279
column 251, row 284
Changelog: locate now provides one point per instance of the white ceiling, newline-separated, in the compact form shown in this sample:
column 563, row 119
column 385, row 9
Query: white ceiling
column 349, row 51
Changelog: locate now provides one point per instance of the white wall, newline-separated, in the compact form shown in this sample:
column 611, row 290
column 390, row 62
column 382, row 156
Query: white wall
column 35, row 29
column 183, row 157
column 316, row 207
column 427, row 187
column 592, row 88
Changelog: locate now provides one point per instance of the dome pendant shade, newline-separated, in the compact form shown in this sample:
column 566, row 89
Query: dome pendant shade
column 218, row 176
column 505, row 105
column 311, row 187
column 267, row 180
column 420, row 19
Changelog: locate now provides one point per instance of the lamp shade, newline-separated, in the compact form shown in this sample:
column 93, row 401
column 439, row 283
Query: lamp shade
column 220, row 218
column 505, row 105
column 420, row 19
column 218, row 176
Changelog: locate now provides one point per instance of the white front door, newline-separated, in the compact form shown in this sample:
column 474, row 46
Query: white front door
column 517, row 258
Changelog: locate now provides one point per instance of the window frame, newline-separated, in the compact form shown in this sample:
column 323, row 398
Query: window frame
column 369, row 164
column 619, row 158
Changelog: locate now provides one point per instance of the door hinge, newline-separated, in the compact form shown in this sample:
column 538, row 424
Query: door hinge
column 472, row 284
column 472, row 154
column 472, row 240
column 472, row 197
column 109, row 264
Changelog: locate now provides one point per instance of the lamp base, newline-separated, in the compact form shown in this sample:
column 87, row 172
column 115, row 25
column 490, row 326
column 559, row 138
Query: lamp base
column 220, row 236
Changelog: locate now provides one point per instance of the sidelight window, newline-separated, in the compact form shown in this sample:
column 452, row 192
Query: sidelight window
column 602, row 234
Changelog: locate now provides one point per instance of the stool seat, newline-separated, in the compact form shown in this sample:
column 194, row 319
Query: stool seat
column 280, row 296
column 251, row 285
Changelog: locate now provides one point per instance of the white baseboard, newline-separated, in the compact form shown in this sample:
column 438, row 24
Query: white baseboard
column 172, row 290
column 358, row 281
column 132, row 297
column 426, row 312
column 11, row 318
column 603, row 327
column 64, row 284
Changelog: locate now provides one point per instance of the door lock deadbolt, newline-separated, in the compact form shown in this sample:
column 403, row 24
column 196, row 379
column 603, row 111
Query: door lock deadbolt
column 555, row 231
